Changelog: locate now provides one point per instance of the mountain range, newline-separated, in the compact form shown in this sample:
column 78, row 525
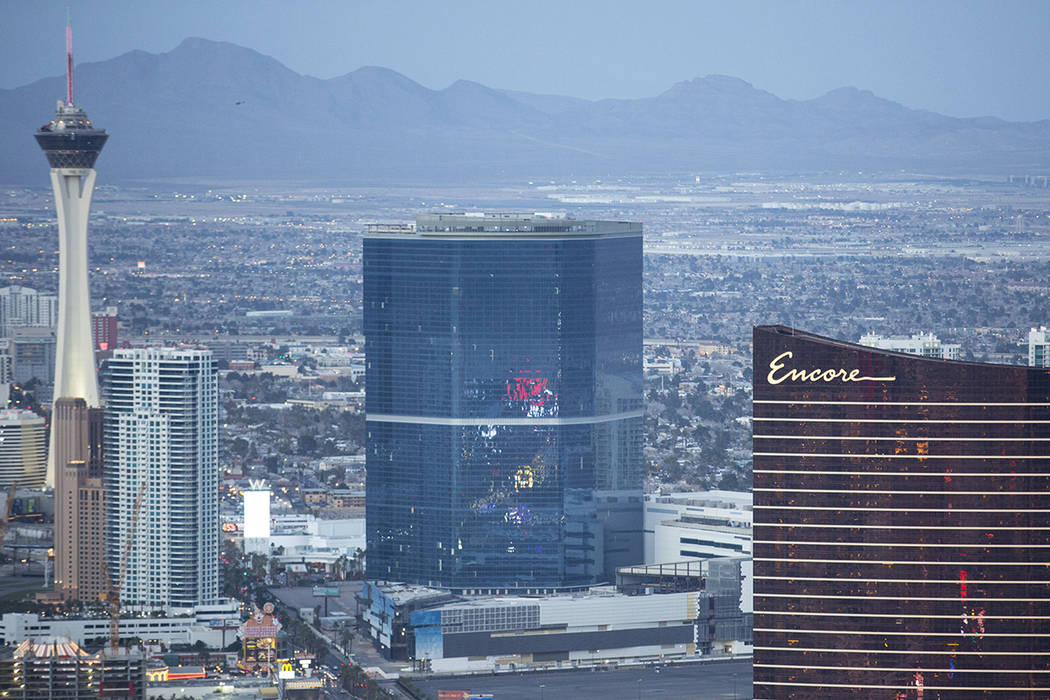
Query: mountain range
column 210, row 109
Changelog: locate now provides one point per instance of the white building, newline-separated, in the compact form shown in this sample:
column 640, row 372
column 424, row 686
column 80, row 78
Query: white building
column 308, row 540
column 697, row 525
column 922, row 344
column 581, row 630
column 214, row 624
column 702, row 525
column 32, row 352
column 6, row 375
column 23, row 454
column 1039, row 347
column 257, row 519
column 161, row 441
column 23, row 307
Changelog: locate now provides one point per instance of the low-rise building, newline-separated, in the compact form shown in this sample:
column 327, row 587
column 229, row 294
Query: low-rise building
column 57, row 667
column 347, row 498
column 567, row 631
column 700, row 526
column 387, row 608
column 697, row 525
column 681, row 611
column 209, row 624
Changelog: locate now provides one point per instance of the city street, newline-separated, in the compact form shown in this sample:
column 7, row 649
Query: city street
column 722, row 680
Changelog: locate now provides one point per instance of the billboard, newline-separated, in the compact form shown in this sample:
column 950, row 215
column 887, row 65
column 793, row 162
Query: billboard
column 257, row 514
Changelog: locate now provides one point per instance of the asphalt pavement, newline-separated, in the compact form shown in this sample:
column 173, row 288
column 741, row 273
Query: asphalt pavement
column 361, row 649
column 718, row 680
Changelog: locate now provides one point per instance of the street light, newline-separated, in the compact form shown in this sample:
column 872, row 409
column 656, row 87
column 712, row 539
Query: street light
column 542, row 686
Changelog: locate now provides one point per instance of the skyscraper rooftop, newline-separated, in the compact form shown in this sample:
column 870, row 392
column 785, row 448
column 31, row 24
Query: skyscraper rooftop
column 517, row 225
column 70, row 140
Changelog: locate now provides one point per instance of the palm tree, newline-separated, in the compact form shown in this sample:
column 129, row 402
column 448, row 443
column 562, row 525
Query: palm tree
column 359, row 564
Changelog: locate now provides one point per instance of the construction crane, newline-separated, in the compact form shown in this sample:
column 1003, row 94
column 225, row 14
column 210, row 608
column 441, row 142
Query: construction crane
column 112, row 595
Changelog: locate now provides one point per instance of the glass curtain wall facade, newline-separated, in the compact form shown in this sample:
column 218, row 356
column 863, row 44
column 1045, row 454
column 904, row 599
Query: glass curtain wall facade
column 902, row 537
column 504, row 401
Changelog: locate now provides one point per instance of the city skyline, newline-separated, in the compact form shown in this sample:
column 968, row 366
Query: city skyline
column 533, row 381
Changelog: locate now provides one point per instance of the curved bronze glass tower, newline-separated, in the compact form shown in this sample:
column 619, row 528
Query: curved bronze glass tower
column 902, row 524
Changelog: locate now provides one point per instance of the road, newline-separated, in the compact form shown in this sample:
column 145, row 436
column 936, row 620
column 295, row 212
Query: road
column 303, row 597
column 16, row 581
column 361, row 647
column 722, row 680
column 718, row 680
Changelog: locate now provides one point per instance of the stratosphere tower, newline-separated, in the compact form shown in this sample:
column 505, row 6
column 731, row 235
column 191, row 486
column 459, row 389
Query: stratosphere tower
column 72, row 144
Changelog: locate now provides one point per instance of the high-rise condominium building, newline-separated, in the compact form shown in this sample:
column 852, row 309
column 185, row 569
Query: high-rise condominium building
column 32, row 353
column 104, row 329
column 6, row 375
column 22, row 307
column 900, row 522
column 79, row 500
column 161, row 449
column 1039, row 347
column 504, row 400
column 23, row 457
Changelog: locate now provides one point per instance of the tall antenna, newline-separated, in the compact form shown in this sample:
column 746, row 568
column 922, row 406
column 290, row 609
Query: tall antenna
column 69, row 60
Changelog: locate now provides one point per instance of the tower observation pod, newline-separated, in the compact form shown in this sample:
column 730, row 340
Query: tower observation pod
column 72, row 144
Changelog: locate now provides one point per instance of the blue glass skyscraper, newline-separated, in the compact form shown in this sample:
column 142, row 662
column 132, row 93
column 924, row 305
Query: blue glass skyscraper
column 504, row 400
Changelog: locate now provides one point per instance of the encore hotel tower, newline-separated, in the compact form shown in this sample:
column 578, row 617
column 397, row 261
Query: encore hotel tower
column 902, row 524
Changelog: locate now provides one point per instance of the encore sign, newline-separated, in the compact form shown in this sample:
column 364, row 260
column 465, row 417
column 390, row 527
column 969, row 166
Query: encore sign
column 776, row 376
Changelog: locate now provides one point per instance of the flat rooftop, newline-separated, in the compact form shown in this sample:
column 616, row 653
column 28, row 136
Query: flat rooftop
column 497, row 225
column 402, row 593
column 714, row 499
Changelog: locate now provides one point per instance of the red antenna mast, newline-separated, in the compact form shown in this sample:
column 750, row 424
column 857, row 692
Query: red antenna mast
column 69, row 60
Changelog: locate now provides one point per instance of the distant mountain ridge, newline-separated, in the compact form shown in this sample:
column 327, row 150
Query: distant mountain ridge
column 214, row 109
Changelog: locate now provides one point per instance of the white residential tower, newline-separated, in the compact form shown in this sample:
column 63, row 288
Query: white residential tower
column 161, row 450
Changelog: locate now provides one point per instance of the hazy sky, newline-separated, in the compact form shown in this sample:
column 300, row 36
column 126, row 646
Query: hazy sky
column 957, row 57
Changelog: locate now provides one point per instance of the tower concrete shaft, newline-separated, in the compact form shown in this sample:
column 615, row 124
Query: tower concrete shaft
column 75, row 359
column 75, row 375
